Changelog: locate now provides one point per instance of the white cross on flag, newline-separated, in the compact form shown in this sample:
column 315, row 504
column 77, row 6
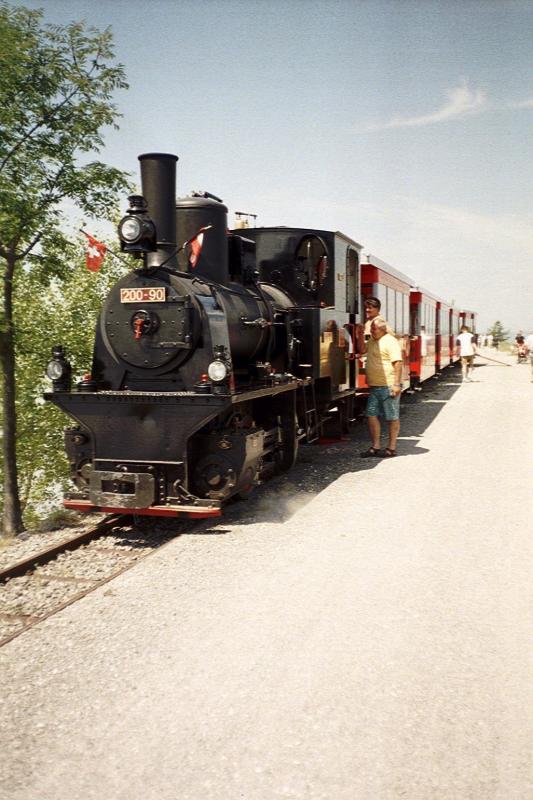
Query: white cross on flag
column 95, row 253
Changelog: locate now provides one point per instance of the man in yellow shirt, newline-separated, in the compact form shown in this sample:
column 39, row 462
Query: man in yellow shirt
column 384, row 377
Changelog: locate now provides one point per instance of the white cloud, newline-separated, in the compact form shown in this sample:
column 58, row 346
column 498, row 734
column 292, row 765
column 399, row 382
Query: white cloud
column 523, row 104
column 462, row 101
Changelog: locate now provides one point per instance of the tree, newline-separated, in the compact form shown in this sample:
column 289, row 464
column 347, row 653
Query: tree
column 498, row 333
column 56, row 88
column 64, row 312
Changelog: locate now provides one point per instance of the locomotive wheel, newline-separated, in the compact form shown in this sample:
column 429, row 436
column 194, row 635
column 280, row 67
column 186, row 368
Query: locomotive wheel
column 214, row 477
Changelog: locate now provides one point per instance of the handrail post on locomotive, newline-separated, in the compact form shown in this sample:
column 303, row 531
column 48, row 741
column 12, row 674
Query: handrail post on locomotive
column 148, row 231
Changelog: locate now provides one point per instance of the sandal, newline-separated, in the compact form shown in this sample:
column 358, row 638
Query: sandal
column 372, row 452
column 387, row 453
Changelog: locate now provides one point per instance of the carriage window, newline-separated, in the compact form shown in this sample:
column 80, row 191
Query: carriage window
column 390, row 308
column 399, row 313
column 381, row 293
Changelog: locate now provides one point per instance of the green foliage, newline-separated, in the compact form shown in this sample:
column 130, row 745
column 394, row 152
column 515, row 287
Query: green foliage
column 63, row 312
column 55, row 97
column 498, row 333
column 57, row 85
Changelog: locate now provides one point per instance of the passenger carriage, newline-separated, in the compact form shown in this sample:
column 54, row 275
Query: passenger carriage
column 455, row 330
column 443, row 350
column 423, row 325
column 391, row 287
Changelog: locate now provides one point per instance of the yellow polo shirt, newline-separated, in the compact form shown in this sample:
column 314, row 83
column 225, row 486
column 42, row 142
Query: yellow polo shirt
column 380, row 356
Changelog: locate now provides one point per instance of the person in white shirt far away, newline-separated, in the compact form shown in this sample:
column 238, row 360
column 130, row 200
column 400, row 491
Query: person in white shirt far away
column 465, row 342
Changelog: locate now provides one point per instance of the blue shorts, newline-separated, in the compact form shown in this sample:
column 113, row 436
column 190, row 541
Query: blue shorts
column 381, row 404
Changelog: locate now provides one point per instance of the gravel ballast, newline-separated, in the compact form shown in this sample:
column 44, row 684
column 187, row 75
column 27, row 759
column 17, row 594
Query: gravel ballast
column 354, row 630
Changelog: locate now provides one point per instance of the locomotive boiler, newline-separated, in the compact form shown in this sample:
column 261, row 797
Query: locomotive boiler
column 210, row 365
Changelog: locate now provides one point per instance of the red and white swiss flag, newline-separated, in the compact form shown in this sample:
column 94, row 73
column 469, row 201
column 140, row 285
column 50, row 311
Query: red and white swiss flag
column 95, row 253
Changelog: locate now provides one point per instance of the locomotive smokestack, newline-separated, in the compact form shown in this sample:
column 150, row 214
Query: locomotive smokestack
column 158, row 181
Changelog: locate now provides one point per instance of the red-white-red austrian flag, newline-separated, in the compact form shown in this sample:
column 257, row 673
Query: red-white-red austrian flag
column 196, row 244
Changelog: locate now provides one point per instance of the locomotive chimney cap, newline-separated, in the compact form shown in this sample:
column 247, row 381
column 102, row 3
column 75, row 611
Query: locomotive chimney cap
column 158, row 155
column 137, row 203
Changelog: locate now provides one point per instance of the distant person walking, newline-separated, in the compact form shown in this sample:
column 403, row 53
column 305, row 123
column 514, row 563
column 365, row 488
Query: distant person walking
column 467, row 348
column 384, row 377
column 529, row 345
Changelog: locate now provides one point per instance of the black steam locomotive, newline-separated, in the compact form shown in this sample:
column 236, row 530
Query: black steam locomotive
column 209, row 367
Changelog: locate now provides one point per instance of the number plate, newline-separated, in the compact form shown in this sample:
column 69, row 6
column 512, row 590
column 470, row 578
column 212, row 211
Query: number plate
column 152, row 294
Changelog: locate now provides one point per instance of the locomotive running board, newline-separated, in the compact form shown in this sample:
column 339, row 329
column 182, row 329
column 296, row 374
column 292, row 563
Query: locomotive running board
column 154, row 511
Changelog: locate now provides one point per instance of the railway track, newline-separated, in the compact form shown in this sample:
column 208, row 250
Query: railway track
column 37, row 587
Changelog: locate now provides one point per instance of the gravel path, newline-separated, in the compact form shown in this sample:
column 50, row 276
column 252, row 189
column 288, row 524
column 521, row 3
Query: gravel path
column 330, row 639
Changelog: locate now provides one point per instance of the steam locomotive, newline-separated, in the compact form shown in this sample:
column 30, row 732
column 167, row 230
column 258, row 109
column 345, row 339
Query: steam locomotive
column 210, row 366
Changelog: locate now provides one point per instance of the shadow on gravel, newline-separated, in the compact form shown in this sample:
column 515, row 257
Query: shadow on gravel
column 319, row 465
column 144, row 534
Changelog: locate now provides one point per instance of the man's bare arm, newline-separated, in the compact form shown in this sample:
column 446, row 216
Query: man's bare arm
column 397, row 388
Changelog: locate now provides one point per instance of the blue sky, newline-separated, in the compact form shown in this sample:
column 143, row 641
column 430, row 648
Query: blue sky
column 407, row 125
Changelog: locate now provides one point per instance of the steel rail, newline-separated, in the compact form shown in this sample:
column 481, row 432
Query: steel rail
column 49, row 553
column 30, row 564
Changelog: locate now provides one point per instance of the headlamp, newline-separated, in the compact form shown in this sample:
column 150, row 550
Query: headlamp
column 55, row 370
column 59, row 370
column 130, row 229
column 136, row 230
column 217, row 371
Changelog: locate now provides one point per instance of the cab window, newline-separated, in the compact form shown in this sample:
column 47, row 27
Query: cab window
column 311, row 265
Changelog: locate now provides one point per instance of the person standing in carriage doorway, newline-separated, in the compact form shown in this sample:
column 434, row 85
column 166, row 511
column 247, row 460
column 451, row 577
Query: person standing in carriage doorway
column 384, row 378
column 465, row 341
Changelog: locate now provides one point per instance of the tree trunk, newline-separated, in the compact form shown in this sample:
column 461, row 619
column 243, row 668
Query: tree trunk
column 13, row 523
